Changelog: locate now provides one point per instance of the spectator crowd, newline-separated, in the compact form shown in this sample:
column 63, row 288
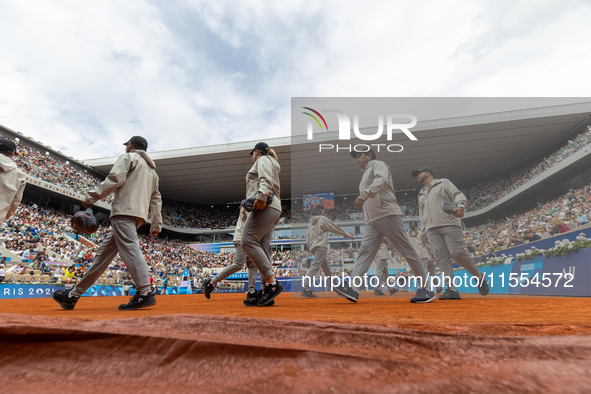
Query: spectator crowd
column 562, row 214
column 39, row 236
column 45, row 167
column 485, row 193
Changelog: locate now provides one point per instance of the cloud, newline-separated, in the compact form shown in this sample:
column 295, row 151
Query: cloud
column 84, row 76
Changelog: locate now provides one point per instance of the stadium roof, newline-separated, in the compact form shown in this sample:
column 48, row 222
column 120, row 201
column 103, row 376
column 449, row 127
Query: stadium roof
column 461, row 149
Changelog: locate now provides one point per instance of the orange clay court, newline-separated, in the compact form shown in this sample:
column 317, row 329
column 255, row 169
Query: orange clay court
column 382, row 344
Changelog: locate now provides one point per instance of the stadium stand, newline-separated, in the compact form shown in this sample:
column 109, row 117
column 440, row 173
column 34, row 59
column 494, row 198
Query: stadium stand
column 195, row 216
column 47, row 168
column 55, row 246
column 485, row 193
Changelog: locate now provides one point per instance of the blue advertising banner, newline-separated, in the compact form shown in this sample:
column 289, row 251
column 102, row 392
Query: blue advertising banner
column 555, row 275
column 285, row 282
column 9, row 291
column 238, row 275
column 18, row 290
column 497, row 278
column 567, row 275
column 171, row 290
column 182, row 290
column 223, row 290
column 105, row 291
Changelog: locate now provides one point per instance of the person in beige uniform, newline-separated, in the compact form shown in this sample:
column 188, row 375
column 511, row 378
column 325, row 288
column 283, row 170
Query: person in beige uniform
column 134, row 182
column 317, row 241
column 444, row 231
column 240, row 260
column 383, row 218
column 262, row 180
column 382, row 273
column 12, row 180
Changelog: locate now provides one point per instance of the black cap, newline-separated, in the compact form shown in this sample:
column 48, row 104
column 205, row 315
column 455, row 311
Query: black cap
column 7, row 144
column 138, row 142
column 260, row 146
column 373, row 153
column 424, row 169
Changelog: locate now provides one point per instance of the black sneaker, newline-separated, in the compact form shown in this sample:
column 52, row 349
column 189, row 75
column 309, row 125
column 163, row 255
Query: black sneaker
column 423, row 296
column 450, row 295
column 378, row 292
column 253, row 298
column 439, row 289
column 63, row 298
column 347, row 292
column 208, row 288
column 138, row 302
column 483, row 288
column 270, row 292
column 307, row 293
column 393, row 291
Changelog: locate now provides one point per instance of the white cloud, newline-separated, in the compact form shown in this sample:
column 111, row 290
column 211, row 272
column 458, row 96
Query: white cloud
column 84, row 76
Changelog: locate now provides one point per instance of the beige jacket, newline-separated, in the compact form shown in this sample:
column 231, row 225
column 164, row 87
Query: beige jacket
column 419, row 244
column 430, row 199
column 263, row 179
column 383, row 252
column 240, row 225
column 134, row 181
column 376, row 184
column 12, row 185
column 318, row 230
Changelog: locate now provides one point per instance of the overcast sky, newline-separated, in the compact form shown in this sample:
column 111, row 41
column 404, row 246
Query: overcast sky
column 84, row 76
